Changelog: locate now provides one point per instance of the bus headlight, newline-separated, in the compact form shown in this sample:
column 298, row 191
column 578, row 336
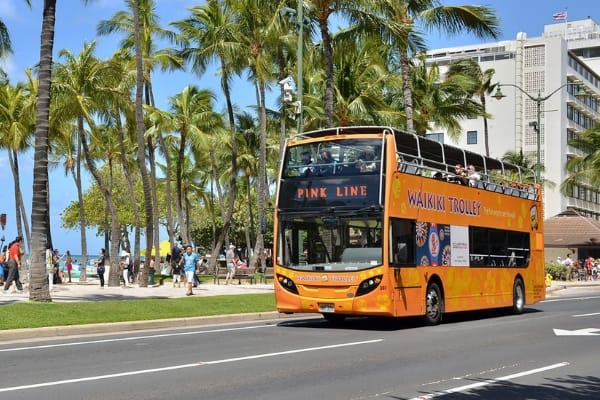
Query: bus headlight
column 368, row 285
column 287, row 284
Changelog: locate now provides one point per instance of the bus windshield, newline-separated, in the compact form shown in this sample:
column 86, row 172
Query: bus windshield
column 330, row 243
column 344, row 157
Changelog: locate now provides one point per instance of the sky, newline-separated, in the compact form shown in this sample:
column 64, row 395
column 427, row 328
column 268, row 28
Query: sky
column 76, row 24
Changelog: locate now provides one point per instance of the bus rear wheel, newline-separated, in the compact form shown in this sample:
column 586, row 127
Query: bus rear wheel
column 433, row 304
column 518, row 296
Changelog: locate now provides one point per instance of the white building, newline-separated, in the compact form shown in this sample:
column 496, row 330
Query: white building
column 551, row 69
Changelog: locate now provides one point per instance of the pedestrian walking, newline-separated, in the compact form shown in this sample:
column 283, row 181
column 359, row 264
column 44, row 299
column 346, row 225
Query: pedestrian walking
column 100, row 267
column 15, row 260
column 189, row 268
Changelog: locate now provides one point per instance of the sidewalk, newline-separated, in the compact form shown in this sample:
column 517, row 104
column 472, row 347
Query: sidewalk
column 91, row 291
column 560, row 285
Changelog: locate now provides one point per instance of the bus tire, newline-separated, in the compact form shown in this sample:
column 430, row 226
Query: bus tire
column 433, row 304
column 333, row 318
column 518, row 296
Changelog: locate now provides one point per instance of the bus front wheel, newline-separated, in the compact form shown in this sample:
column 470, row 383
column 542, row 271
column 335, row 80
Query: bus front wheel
column 518, row 296
column 433, row 304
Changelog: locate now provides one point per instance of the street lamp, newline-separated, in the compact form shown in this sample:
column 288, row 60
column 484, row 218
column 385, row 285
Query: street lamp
column 299, row 14
column 538, row 102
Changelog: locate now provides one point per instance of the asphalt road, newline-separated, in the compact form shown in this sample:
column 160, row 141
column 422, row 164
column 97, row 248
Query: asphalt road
column 485, row 355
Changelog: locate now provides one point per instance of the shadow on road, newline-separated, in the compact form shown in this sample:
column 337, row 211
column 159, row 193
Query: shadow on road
column 571, row 387
column 394, row 324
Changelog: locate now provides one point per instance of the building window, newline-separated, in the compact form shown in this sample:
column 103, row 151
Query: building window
column 471, row 137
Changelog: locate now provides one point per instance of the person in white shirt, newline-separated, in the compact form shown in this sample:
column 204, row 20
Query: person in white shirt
column 473, row 176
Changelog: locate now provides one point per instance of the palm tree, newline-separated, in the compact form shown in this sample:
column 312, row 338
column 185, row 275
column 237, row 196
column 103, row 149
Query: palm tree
column 148, row 31
column 80, row 83
column 441, row 103
column 483, row 87
column 215, row 32
column 584, row 170
column 192, row 117
column 398, row 21
column 38, row 288
column 16, row 128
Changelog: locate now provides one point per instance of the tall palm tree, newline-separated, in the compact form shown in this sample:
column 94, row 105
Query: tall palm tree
column 483, row 87
column 16, row 128
column 38, row 287
column 441, row 102
column 399, row 24
column 211, row 34
column 149, row 31
column 192, row 117
column 80, row 82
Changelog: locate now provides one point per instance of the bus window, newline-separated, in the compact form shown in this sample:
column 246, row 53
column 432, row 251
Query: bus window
column 402, row 242
column 323, row 242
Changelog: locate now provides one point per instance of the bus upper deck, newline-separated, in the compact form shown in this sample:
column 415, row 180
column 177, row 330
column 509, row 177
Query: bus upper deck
column 348, row 152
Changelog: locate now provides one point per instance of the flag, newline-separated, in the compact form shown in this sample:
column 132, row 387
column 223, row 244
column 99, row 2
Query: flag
column 560, row 16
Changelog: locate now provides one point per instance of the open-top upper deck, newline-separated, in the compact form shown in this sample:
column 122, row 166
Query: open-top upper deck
column 422, row 156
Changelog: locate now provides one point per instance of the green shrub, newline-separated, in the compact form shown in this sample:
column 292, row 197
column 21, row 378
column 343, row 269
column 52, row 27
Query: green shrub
column 558, row 271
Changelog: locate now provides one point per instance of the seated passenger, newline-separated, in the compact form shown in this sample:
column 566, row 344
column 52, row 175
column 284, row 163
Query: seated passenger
column 460, row 176
column 307, row 164
column 367, row 161
column 327, row 165
column 473, row 175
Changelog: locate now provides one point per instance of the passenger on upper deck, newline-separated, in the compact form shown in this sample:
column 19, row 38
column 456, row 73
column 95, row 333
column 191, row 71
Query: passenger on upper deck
column 307, row 164
column 327, row 164
column 460, row 176
column 473, row 175
column 367, row 161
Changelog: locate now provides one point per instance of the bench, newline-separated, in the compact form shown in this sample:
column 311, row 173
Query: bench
column 240, row 274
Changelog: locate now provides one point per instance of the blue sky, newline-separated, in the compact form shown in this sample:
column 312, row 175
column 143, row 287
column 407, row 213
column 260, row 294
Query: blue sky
column 76, row 24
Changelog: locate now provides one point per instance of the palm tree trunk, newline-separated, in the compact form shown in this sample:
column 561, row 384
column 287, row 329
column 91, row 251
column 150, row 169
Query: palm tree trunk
column 329, row 78
column 485, row 126
column 406, row 89
column 139, row 124
column 82, row 226
column 38, row 285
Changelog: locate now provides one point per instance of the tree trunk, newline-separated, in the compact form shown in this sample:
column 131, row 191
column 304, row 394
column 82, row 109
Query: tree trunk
column 139, row 124
column 38, row 285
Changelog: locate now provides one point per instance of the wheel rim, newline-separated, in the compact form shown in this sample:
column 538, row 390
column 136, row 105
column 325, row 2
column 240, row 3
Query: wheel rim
column 433, row 304
column 519, row 297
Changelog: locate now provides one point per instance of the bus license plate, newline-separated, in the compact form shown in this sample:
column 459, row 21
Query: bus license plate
column 326, row 307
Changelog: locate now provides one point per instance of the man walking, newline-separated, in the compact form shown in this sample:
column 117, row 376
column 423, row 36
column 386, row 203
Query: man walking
column 15, row 257
column 189, row 260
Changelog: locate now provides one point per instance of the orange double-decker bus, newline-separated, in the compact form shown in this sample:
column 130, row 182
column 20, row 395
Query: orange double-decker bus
column 372, row 221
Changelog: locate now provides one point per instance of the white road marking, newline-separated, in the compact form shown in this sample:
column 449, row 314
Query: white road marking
column 175, row 367
column 125, row 339
column 570, row 299
column 577, row 332
column 586, row 315
column 489, row 382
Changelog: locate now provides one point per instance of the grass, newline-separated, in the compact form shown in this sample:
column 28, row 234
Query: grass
column 37, row 315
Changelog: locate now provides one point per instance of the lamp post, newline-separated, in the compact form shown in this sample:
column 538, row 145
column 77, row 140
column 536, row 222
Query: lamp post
column 537, row 124
column 299, row 14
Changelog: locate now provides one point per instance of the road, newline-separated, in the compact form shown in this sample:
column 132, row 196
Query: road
column 550, row 352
